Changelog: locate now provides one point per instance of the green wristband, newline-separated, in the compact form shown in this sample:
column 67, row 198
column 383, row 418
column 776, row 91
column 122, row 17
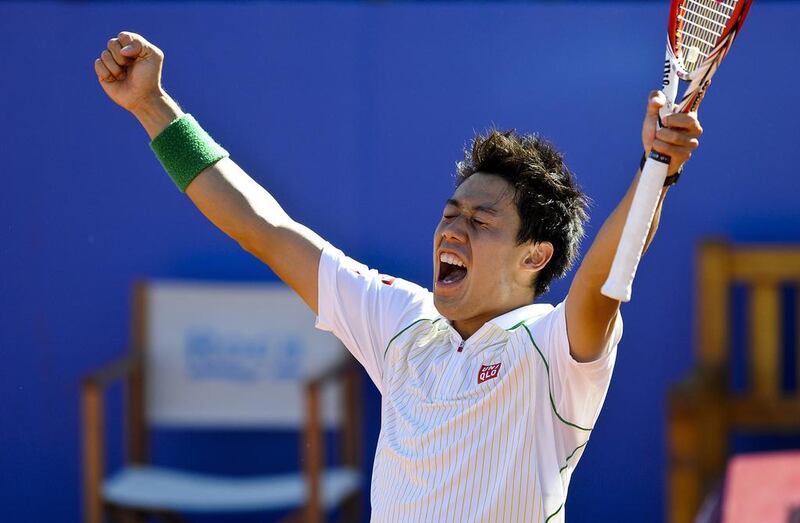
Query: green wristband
column 185, row 149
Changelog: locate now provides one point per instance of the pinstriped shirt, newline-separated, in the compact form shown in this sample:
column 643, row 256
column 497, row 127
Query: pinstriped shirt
column 487, row 429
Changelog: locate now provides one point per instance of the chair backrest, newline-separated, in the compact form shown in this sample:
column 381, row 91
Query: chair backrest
column 230, row 355
column 765, row 272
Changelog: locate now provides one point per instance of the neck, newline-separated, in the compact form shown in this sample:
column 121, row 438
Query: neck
column 468, row 326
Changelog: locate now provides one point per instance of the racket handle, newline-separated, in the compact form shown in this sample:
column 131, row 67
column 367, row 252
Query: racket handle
column 637, row 226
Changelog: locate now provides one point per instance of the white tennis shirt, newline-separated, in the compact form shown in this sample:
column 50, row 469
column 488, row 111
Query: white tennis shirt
column 483, row 430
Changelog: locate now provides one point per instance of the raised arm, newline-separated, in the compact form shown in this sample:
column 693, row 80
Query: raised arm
column 129, row 71
column 590, row 314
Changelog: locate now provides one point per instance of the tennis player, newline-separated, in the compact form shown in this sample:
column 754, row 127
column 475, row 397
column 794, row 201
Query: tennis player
column 489, row 397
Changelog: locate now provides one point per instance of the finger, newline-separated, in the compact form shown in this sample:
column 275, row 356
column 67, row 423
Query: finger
column 112, row 66
column 125, row 37
column 114, row 48
column 102, row 71
column 675, row 137
column 682, row 120
column 676, row 152
column 687, row 121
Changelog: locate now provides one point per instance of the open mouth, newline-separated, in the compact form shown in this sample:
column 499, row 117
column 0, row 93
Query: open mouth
column 451, row 269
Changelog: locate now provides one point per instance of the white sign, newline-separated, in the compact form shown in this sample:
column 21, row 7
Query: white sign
column 233, row 355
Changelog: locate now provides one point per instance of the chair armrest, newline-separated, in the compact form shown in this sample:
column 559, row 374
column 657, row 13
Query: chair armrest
column 111, row 372
column 699, row 383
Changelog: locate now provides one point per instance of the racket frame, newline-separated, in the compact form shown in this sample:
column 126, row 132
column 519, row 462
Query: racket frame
column 619, row 282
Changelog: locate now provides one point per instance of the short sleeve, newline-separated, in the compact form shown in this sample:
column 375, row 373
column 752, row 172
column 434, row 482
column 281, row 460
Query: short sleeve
column 578, row 389
column 365, row 309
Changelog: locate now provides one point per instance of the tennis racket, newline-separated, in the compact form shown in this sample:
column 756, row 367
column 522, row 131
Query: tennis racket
column 699, row 35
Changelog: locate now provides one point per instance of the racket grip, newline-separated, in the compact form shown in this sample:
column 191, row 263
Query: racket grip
column 637, row 226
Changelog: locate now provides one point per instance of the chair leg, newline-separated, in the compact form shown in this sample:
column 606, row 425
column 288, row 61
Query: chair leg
column 169, row 517
column 297, row 516
column 684, row 481
column 714, row 446
column 93, row 452
column 117, row 514
column 350, row 510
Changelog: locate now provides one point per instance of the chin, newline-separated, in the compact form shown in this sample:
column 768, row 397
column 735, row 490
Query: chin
column 447, row 308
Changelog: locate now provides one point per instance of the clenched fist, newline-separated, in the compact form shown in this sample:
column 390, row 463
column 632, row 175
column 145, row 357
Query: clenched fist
column 678, row 138
column 129, row 70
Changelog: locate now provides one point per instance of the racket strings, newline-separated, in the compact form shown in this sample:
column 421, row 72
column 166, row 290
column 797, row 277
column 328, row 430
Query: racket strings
column 701, row 25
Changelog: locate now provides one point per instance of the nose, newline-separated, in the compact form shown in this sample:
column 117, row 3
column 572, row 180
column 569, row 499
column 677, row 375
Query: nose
column 454, row 230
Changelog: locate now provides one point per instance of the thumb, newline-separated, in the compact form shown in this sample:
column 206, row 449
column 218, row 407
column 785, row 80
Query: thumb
column 655, row 101
column 136, row 46
column 133, row 49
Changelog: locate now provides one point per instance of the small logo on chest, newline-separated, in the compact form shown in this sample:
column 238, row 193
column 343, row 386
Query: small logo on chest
column 488, row 372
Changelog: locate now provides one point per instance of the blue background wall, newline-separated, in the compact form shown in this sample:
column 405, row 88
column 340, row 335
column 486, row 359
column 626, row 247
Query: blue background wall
column 353, row 115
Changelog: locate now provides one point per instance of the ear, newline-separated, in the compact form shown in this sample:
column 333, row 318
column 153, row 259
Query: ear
column 537, row 256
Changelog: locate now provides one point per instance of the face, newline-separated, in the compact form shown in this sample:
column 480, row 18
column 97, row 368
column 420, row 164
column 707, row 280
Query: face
column 480, row 271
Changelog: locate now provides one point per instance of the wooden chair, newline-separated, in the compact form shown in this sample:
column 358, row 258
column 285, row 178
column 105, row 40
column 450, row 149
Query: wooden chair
column 703, row 410
column 223, row 355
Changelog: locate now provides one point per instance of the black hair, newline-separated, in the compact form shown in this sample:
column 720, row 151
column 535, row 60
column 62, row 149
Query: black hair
column 550, row 204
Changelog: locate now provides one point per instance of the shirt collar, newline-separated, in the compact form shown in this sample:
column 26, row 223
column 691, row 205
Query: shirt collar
column 523, row 314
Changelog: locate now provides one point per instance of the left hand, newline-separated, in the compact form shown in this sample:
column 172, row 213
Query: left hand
column 677, row 139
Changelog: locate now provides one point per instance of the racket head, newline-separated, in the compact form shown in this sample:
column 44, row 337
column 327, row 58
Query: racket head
column 699, row 35
column 701, row 31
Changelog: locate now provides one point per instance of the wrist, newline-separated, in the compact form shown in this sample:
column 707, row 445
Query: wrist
column 671, row 179
column 155, row 112
column 185, row 150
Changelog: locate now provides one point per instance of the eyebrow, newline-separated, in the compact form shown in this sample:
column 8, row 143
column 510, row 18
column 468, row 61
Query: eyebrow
column 478, row 208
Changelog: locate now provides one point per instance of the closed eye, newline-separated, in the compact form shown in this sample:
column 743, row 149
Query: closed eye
column 475, row 221
column 449, row 212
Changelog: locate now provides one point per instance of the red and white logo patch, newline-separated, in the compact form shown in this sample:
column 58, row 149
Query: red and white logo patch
column 386, row 279
column 488, row 372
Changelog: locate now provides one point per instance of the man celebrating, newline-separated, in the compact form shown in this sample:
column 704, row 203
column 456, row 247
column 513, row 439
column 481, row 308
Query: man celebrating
column 488, row 399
